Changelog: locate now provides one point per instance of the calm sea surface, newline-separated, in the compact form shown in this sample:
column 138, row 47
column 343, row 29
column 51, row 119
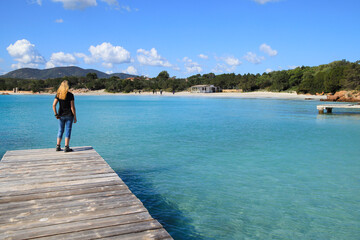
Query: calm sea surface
column 211, row 168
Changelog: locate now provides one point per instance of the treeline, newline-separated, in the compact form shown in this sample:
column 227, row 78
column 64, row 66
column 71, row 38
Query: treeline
column 328, row 78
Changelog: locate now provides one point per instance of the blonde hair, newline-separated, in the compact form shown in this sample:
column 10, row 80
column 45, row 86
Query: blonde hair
column 63, row 90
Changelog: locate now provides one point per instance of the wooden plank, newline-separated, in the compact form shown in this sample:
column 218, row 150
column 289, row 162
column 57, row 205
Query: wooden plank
column 109, row 231
column 17, row 159
column 329, row 107
column 55, row 195
column 47, row 173
column 346, row 106
column 64, row 167
column 58, row 164
column 34, row 163
column 60, row 188
column 148, row 234
column 71, row 192
column 54, row 171
column 46, row 150
column 142, row 218
column 54, row 159
column 85, row 196
column 57, row 184
column 61, row 217
column 37, row 214
column 76, row 206
column 50, row 179
column 74, row 196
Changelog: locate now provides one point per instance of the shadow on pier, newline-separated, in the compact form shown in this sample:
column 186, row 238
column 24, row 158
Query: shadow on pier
column 168, row 214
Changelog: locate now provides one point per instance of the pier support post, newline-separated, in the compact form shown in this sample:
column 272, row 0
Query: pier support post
column 329, row 110
column 320, row 109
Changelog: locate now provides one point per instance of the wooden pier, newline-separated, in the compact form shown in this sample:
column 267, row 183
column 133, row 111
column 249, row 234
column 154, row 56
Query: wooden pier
column 329, row 107
column 46, row 194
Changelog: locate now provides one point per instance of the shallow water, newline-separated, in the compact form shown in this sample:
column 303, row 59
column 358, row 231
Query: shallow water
column 211, row 168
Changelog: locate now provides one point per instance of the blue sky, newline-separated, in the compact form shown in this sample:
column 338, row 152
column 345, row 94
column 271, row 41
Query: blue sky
column 182, row 37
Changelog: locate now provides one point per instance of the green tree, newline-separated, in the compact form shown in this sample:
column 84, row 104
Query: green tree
column 164, row 75
column 351, row 78
column 280, row 81
column 306, row 82
column 35, row 86
column 295, row 77
column 2, row 84
column 333, row 79
column 91, row 76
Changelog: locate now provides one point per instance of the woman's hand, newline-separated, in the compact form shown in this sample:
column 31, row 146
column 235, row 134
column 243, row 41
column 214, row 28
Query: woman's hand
column 75, row 120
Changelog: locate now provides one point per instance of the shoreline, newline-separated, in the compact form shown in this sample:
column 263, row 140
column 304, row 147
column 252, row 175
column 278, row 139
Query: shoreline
column 248, row 95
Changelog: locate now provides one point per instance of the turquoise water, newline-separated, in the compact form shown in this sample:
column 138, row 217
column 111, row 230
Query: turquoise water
column 211, row 168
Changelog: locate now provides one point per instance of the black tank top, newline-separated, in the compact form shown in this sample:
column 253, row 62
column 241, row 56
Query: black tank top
column 65, row 105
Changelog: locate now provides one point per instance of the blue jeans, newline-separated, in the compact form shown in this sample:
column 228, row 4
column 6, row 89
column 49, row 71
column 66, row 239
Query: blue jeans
column 65, row 122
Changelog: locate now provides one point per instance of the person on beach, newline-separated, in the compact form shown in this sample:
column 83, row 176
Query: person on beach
column 66, row 114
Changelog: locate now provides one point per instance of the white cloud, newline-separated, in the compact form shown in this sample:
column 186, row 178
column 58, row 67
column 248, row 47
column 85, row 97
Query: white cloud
column 107, row 65
column 232, row 61
column 38, row 2
column 268, row 70
column 176, row 68
column 111, row 2
column 265, row 1
column 109, row 72
column 107, row 54
column 131, row 70
column 229, row 65
column 203, row 56
column 77, row 4
column 292, row 66
column 127, row 8
column 268, row 50
column 59, row 20
column 25, row 54
column 191, row 66
column 61, row 59
column 253, row 58
column 222, row 68
column 82, row 4
column 152, row 58
column 87, row 59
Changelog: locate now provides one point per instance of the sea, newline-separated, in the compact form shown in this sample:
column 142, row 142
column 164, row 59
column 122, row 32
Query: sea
column 215, row 168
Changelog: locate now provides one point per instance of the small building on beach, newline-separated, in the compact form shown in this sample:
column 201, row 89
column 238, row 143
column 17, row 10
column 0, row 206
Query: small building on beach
column 204, row 89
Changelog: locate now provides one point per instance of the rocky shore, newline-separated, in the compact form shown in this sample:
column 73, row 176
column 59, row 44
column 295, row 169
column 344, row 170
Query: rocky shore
column 343, row 96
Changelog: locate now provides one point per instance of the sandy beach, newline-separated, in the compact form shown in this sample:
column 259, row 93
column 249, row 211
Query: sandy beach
column 274, row 95
column 271, row 95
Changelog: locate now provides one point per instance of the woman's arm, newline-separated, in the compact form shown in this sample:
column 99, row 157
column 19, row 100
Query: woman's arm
column 54, row 106
column 73, row 110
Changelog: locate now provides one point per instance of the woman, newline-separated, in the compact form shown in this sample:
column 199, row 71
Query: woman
column 66, row 115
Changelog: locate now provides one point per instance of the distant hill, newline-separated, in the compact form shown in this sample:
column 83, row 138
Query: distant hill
column 58, row 72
